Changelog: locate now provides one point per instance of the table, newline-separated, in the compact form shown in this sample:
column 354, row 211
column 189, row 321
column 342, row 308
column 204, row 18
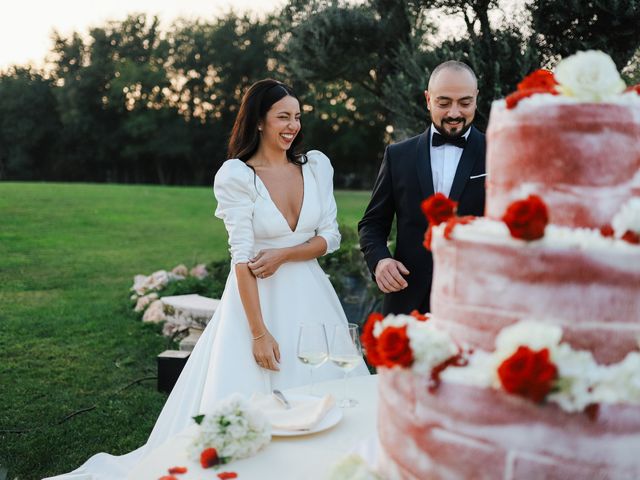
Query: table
column 308, row 457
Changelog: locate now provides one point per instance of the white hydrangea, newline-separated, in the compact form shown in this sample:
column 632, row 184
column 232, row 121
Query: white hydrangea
column 589, row 76
column 620, row 382
column 628, row 218
column 430, row 345
column 578, row 373
column 531, row 333
column 234, row 429
column 391, row 320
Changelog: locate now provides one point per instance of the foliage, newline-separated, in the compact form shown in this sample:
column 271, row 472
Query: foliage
column 564, row 27
column 25, row 140
column 210, row 286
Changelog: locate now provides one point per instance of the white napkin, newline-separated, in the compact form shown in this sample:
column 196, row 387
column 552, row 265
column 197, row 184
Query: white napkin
column 304, row 413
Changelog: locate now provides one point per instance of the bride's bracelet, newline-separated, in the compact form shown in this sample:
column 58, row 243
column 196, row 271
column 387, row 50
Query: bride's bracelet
column 259, row 336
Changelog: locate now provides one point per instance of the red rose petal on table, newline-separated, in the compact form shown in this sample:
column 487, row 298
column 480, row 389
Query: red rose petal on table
column 174, row 470
column 168, row 477
column 225, row 475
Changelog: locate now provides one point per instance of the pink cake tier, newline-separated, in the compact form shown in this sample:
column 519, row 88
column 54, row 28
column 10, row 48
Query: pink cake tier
column 589, row 285
column 465, row 432
column 581, row 158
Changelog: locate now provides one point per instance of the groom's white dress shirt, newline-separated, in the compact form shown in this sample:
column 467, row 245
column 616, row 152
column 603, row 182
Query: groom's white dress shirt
column 444, row 163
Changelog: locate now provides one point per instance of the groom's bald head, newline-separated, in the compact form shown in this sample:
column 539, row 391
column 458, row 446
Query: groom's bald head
column 455, row 66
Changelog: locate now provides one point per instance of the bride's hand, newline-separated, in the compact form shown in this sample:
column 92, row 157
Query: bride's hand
column 266, row 352
column 266, row 262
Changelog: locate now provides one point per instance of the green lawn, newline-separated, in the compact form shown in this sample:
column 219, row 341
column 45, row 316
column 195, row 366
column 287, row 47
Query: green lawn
column 68, row 341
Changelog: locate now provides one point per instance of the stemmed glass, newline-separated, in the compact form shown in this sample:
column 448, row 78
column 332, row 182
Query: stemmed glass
column 346, row 353
column 313, row 348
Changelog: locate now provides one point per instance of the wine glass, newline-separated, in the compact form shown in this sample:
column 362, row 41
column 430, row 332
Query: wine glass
column 346, row 353
column 313, row 348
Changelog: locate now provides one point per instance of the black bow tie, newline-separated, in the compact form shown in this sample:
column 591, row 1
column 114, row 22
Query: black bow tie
column 438, row 140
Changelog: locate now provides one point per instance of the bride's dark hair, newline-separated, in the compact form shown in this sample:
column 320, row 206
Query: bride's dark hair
column 255, row 104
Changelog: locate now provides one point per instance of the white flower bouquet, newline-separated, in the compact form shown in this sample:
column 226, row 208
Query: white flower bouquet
column 234, row 430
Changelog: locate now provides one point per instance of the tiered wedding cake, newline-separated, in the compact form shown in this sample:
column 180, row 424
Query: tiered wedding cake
column 529, row 366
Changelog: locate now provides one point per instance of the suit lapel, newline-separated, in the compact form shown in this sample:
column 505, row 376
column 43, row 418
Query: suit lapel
column 423, row 164
column 465, row 166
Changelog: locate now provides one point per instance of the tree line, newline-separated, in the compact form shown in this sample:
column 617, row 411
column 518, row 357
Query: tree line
column 130, row 102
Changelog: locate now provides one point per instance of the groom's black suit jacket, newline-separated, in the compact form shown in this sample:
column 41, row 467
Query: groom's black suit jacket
column 405, row 180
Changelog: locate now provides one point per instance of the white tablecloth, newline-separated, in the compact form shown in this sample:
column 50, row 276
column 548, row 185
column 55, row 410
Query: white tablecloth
column 306, row 457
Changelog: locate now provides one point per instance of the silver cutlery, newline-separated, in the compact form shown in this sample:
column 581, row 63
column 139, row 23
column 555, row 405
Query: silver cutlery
column 280, row 396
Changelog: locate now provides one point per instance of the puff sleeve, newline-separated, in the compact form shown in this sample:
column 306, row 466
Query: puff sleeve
column 323, row 172
column 235, row 193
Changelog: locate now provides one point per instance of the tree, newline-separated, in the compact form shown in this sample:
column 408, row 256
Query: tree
column 29, row 125
column 565, row 27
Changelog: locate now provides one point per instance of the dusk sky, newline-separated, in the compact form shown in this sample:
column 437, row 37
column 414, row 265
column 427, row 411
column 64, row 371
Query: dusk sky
column 26, row 25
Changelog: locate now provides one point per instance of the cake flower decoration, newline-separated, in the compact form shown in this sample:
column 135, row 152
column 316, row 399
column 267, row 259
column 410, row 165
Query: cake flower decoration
column 589, row 76
column 527, row 219
column 438, row 208
column 540, row 81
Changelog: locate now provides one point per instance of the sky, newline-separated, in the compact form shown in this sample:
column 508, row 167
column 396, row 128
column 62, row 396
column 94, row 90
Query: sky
column 26, row 25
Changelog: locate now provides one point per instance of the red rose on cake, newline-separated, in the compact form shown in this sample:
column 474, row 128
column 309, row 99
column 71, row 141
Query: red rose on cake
column 539, row 82
column 394, row 347
column 406, row 341
column 438, row 208
column 527, row 219
column 528, row 373
column 540, row 79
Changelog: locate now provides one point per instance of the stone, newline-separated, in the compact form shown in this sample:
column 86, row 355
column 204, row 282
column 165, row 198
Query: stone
column 189, row 342
column 187, row 311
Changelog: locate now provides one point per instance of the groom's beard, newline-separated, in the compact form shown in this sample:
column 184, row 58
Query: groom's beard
column 454, row 133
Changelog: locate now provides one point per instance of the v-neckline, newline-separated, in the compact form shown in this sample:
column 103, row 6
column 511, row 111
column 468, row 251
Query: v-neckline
column 304, row 190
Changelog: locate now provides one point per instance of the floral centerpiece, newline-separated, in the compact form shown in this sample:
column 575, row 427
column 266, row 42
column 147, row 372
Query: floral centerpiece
column 234, row 430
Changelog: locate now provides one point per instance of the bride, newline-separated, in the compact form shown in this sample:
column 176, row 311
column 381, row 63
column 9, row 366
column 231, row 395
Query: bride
column 279, row 211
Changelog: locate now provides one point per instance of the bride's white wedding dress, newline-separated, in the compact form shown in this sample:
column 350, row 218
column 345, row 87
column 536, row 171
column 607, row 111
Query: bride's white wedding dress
column 222, row 361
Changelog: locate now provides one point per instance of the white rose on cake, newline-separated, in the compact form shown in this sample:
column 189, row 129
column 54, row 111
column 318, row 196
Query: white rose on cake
column 589, row 76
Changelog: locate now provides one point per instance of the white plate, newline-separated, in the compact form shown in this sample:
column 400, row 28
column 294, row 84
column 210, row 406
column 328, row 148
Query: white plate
column 333, row 416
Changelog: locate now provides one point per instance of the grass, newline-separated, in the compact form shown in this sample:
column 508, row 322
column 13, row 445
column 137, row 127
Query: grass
column 69, row 343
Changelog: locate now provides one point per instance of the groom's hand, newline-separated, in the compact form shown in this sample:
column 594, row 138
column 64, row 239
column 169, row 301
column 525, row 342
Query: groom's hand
column 389, row 275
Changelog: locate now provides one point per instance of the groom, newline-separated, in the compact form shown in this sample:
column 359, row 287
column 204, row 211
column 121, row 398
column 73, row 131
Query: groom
column 447, row 158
